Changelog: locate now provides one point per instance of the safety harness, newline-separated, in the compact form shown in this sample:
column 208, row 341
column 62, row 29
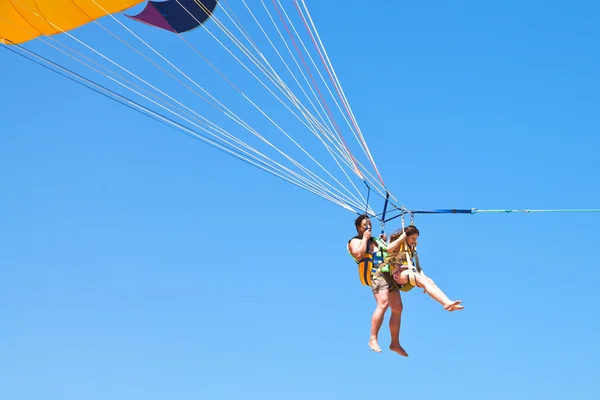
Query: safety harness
column 372, row 262
column 411, row 263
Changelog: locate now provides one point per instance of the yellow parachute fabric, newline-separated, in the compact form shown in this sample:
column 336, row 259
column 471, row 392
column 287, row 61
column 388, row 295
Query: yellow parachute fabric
column 23, row 20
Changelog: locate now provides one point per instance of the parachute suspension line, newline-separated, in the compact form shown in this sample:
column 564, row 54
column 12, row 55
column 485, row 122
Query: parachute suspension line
column 357, row 170
column 239, row 24
column 132, row 84
column 98, row 53
column 245, row 50
column 238, row 43
column 167, row 121
column 354, row 129
column 339, row 86
column 259, row 109
column 197, row 117
column 323, row 79
column 104, row 56
column 156, row 65
column 233, row 115
column 277, row 79
column 301, row 87
column 73, row 77
column 208, row 122
column 310, row 118
column 300, row 166
column 327, row 128
column 100, row 89
column 372, row 179
column 271, row 75
column 312, row 60
column 320, row 124
column 306, row 80
column 314, row 83
column 216, row 127
column 320, row 101
column 364, row 170
column 137, row 77
column 191, row 133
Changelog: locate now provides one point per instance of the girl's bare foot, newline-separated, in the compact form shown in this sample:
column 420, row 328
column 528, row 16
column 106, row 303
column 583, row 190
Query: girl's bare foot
column 453, row 306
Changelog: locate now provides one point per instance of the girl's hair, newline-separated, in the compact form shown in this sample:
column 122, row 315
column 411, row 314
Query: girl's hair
column 410, row 230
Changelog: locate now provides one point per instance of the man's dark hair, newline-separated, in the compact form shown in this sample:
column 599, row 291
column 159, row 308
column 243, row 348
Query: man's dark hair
column 360, row 219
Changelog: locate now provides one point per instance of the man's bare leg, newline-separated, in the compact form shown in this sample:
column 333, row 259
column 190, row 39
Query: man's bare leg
column 382, row 298
column 395, row 302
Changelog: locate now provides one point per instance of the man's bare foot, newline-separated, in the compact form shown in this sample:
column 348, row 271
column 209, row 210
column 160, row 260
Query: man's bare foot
column 398, row 349
column 455, row 305
column 374, row 346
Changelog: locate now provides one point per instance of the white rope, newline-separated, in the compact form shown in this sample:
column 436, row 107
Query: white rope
column 322, row 123
column 274, row 77
column 330, row 136
column 153, row 114
column 262, row 67
column 317, row 69
column 108, row 77
column 257, row 63
column 319, row 125
column 331, row 129
column 345, row 159
column 339, row 85
column 311, row 182
column 235, row 117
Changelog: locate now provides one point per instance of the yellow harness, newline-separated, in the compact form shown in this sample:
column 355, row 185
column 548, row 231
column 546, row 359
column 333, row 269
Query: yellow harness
column 413, row 267
column 372, row 262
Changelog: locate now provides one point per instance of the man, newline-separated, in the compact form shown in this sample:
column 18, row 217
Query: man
column 385, row 291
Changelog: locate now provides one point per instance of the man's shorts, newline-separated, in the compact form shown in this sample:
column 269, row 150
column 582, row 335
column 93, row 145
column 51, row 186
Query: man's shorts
column 383, row 281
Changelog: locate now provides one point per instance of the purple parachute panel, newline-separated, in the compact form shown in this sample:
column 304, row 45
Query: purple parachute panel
column 176, row 15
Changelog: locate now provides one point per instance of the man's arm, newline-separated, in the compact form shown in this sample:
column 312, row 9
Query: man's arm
column 359, row 247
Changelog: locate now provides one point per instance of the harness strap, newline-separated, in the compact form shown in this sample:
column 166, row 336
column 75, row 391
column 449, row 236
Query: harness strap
column 373, row 259
column 413, row 268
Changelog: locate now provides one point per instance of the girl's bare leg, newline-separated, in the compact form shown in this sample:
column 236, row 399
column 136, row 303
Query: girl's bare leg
column 432, row 290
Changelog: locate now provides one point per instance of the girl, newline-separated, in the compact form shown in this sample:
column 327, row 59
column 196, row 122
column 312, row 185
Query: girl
column 407, row 275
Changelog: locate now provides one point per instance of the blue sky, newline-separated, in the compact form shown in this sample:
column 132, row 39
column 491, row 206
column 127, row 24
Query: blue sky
column 136, row 262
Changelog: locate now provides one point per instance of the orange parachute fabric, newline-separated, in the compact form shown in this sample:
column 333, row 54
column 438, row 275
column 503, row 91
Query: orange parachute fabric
column 24, row 20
